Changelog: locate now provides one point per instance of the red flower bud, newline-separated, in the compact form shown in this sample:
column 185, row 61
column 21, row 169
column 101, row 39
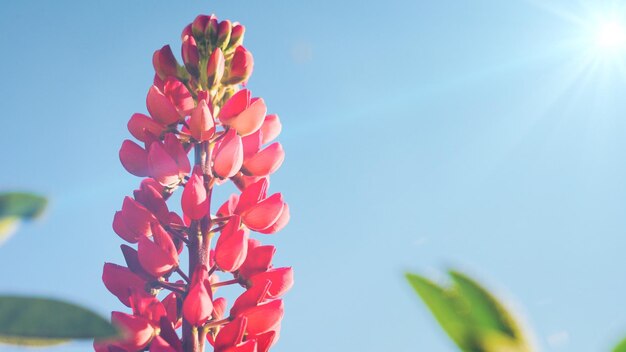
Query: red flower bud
column 228, row 155
column 198, row 307
column 164, row 63
column 160, row 107
column 236, row 35
column 160, row 256
column 241, row 66
column 191, row 56
column 215, row 67
column 134, row 158
column 186, row 31
column 195, row 202
column 199, row 25
column 137, row 331
column 201, row 123
column 223, row 34
column 232, row 246
column 266, row 161
column 120, row 281
column 243, row 113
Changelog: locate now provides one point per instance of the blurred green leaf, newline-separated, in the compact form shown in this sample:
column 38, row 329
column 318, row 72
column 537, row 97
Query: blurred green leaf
column 486, row 311
column 473, row 317
column 444, row 306
column 41, row 321
column 621, row 347
column 16, row 206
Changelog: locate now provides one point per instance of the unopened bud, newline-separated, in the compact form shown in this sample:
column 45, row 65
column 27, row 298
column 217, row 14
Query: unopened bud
column 199, row 26
column 223, row 34
column 240, row 66
column 211, row 30
column 236, row 35
column 215, row 67
column 190, row 54
column 164, row 62
column 186, row 32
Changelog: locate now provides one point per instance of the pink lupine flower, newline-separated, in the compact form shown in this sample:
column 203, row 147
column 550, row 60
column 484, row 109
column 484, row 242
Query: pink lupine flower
column 232, row 139
column 243, row 113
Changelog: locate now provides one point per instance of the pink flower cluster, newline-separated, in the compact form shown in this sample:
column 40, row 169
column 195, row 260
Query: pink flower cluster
column 200, row 106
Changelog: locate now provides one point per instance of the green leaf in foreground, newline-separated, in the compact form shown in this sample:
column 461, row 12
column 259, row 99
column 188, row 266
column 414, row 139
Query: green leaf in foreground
column 17, row 206
column 41, row 321
column 472, row 316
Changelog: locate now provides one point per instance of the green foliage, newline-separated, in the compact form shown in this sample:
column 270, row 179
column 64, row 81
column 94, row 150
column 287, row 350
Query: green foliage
column 41, row 321
column 16, row 206
column 473, row 317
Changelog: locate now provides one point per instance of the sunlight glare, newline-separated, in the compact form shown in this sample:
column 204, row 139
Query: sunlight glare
column 611, row 35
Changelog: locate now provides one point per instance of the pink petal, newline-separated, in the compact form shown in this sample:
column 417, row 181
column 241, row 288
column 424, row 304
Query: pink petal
column 134, row 158
column 228, row 156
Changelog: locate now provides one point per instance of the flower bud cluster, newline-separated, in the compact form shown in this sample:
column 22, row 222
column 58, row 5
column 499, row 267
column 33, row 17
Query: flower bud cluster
column 200, row 106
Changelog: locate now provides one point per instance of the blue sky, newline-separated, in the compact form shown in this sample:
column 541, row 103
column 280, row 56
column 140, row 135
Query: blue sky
column 420, row 135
